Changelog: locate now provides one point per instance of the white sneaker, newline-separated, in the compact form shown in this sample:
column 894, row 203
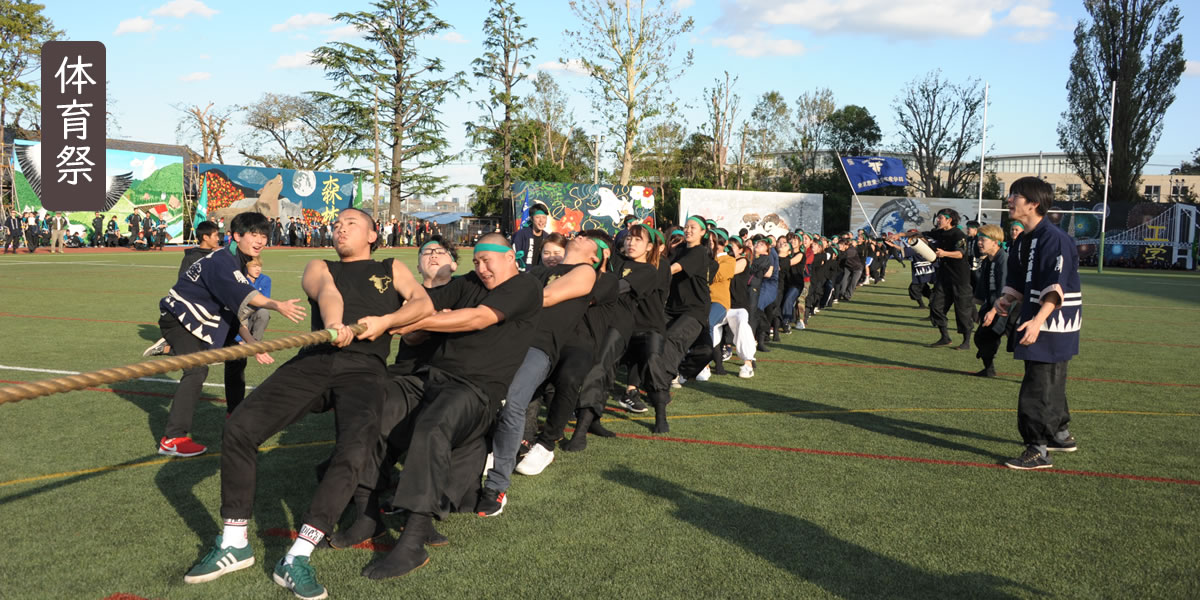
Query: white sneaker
column 800, row 325
column 156, row 349
column 677, row 382
column 704, row 375
column 747, row 370
column 536, row 460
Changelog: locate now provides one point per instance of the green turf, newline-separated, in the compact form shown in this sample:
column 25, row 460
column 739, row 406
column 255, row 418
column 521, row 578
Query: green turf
column 91, row 510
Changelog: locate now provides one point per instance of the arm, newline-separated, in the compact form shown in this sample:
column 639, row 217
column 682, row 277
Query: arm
column 417, row 304
column 944, row 254
column 1050, row 302
column 576, row 283
column 455, row 321
column 317, row 282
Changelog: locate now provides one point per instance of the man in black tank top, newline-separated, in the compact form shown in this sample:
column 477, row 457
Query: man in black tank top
column 348, row 375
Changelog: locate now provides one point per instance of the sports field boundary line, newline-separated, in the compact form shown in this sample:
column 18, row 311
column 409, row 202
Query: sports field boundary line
column 636, row 436
column 868, row 411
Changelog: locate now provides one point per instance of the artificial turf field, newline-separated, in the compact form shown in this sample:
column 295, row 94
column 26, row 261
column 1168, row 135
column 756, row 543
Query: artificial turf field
column 857, row 464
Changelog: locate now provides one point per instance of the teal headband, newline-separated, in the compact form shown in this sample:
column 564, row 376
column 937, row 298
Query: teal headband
column 677, row 232
column 656, row 235
column 423, row 246
column 492, row 248
column 982, row 234
column 739, row 240
column 724, row 237
column 600, row 248
column 537, row 211
column 1017, row 224
column 699, row 221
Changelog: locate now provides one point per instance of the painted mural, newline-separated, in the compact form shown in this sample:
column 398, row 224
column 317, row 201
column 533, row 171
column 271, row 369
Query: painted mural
column 277, row 193
column 766, row 213
column 578, row 206
column 892, row 214
column 152, row 183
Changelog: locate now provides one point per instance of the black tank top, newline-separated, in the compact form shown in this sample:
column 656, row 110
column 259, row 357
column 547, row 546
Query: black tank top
column 367, row 290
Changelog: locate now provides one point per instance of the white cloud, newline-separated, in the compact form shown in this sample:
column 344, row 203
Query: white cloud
column 145, row 164
column 891, row 18
column 1031, row 36
column 182, row 8
column 345, row 32
column 682, row 4
column 573, row 66
column 1192, row 69
column 135, row 25
column 196, row 76
column 203, row 56
column 453, row 37
column 759, row 45
column 296, row 22
column 299, row 60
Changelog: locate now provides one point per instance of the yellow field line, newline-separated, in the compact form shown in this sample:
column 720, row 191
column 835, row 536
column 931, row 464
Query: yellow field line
column 150, row 463
column 610, row 420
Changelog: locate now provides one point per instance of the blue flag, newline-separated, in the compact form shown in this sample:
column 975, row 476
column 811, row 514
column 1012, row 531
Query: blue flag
column 870, row 172
column 202, row 205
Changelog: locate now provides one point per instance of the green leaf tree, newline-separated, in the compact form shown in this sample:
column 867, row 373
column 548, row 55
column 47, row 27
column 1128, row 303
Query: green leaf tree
column 23, row 30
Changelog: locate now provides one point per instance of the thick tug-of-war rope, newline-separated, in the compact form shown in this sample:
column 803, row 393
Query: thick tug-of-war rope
column 70, row 383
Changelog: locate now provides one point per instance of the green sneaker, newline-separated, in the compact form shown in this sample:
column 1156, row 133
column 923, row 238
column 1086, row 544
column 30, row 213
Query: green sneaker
column 300, row 578
column 218, row 562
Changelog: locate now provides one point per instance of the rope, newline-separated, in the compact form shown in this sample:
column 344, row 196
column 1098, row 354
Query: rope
column 70, row 383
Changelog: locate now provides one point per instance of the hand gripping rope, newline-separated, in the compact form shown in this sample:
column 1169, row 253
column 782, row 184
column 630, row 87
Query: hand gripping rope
column 70, row 383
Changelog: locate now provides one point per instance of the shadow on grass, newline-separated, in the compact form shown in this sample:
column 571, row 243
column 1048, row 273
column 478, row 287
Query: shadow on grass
column 904, row 429
column 902, row 320
column 808, row 551
column 862, row 337
column 66, row 481
column 148, row 332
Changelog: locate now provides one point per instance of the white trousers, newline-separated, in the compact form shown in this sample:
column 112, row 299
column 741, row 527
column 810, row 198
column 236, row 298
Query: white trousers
column 738, row 320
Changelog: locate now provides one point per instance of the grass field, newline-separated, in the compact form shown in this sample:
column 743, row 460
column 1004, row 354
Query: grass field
column 857, row 464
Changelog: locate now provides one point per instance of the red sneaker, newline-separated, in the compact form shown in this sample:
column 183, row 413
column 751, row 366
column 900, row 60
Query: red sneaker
column 180, row 446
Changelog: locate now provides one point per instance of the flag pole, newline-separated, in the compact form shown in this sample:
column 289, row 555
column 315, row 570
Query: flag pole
column 982, row 152
column 853, row 191
column 1112, row 106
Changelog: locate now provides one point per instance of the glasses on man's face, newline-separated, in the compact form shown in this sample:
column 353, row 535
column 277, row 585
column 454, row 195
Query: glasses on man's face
column 434, row 252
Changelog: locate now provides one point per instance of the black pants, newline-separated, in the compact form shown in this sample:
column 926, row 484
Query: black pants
column 642, row 356
column 1042, row 404
column 960, row 297
column 354, row 385
column 13, row 239
column 681, row 332
column 187, row 394
column 570, row 373
column 987, row 343
column 594, row 391
column 918, row 291
column 453, row 414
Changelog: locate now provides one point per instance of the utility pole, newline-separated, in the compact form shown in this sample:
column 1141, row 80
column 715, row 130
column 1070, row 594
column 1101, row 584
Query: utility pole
column 596, row 141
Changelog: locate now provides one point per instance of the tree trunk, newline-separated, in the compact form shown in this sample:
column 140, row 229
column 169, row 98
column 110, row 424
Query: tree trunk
column 377, row 156
column 741, row 158
column 394, row 179
column 627, row 154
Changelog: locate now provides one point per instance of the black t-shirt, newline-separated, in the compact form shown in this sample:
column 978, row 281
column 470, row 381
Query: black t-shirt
column 606, row 310
column 557, row 323
column 367, row 290
column 642, row 299
column 739, row 287
column 410, row 357
column 689, row 287
column 952, row 271
column 190, row 256
column 491, row 356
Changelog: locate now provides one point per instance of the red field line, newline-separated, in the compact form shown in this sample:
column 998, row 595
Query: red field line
column 912, row 459
column 124, row 597
column 903, row 368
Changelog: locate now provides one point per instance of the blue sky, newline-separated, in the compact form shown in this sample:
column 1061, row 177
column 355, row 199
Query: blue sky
column 167, row 52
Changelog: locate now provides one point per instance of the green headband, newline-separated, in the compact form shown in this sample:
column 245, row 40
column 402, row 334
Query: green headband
column 655, row 234
column 982, row 234
column 492, row 248
column 677, row 232
column 600, row 248
column 739, row 240
column 724, row 237
column 426, row 244
column 538, row 211
column 1017, row 224
column 699, row 221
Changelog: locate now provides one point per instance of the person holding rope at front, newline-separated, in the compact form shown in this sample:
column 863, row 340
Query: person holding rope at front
column 349, row 375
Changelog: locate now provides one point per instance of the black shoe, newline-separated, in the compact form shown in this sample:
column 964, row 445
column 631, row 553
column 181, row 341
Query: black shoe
column 986, row 372
column 597, row 429
column 763, row 348
column 632, row 402
column 409, row 553
column 726, row 352
column 367, row 526
column 1030, row 459
column 491, row 503
column 963, row 346
column 942, row 342
column 1067, row 445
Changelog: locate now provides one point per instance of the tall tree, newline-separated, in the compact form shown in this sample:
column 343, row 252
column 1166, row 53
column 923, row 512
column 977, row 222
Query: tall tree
column 503, row 65
column 659, row 157
column 1191, row 167
column 296, row 132
column 812, row 125
column 208, row 126
column 628, row 49
column 853, row 131
column 23, row 30
column 411, row 89
column 722, row 112
column 940, row 125
column 547, row 107
column 771, row 128
column 1137, row 44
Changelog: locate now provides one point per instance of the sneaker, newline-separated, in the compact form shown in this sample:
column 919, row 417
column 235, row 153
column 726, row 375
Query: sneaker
column 704, row 375
column 801, row 326
column 181, row 446
column 747, row 370
column 941, row 342
column 491, row 503
column 156, row 349
column 986, row 372
column 1067, row 445
column 300, row 578
column 726, row 352
column 632, row 402
column 536, row 460
column 816, row 310
column 677, row 382
column 218, row 562
column 1029, row 459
